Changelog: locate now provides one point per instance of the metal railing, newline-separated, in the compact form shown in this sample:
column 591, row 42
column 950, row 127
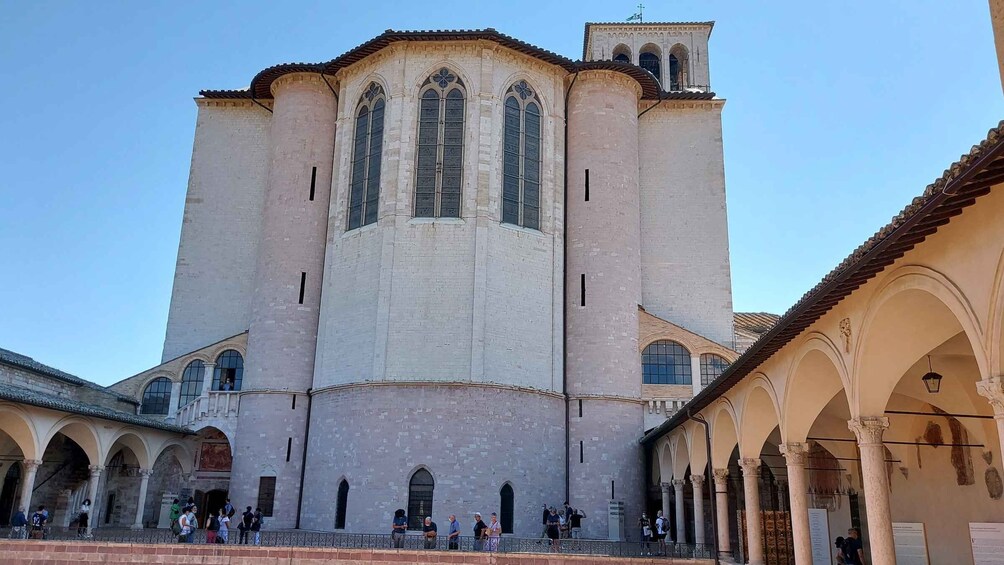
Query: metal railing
column 412, row 541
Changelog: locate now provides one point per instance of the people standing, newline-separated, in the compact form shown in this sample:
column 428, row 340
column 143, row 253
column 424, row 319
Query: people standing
column 175, row 511
column 229, row 509
column 256, row 524
column 646, row 534
column 453, row 538
column 245, row 526
column 18, row 524
column 543, row 522
column 184, row 527
column 577, row 516
column 223, row 535
column 212, row 526
column 554, row 530
column 193, row 523
column 83, row 518
column 854, row 553
column 38, row 523
column 494, row 533
column 399, row 529
column 430, row 532
column 480, row 531
column 661, row 526
column 839, row 556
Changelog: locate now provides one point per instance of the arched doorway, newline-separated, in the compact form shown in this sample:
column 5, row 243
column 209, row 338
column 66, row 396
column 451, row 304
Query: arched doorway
column 210, row 502
column 11, row 482
column 506, row 505
column 420, row 490
column 343, row 501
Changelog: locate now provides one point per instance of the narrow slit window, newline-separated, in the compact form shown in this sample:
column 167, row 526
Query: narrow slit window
column 582, row 297
column 612, row 497
column 294, row 402
column 289, row 447
column 587, row 185
column 303, row 285
column 582, row 454
column 580, row 408
column 313, row 182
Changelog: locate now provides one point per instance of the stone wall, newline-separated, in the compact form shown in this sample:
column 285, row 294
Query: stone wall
column 74, row 553
column 17, row 376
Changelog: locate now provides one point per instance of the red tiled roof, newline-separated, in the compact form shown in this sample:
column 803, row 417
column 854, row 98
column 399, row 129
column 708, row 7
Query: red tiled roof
column 261, row 83
column 755, row 322
column 971, row 177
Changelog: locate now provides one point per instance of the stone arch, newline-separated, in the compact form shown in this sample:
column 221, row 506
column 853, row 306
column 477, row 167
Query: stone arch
column 678, row 67
column 724, row 432
column 134, row 440
column 817, row 374
column 761, row 413
column 184, row 454
column 620, row 51
column 226, row 346
column 83, row 433
column 359, row 87
column 698, row 447
column 995, row 339
column 665, row 461
column 681, row 454
column 513, row 78
column 915, row 310
column 451, row 66
column 18, row 424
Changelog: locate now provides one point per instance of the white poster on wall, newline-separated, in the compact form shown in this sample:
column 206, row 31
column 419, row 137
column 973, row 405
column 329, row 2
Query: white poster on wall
column 910, row 540
column 819, row 534
column 988, row 543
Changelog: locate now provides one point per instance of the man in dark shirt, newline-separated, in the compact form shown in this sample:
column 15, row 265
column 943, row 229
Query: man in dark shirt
column 576, row 520
column 543, row 522
column 430, row 531
column 854, row 554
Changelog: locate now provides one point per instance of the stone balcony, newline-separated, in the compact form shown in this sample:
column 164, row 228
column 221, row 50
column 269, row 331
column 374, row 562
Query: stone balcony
column 212, row 408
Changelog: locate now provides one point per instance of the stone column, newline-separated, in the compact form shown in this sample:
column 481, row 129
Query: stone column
column 722, row 508
column 665, row 504
column 795, row 456
column 695, row 373
column 30, row 469
column 869, row 432
column 92, row 493
column 173, row 405
column 681, row 529
column 697, row 481
column 751, row 487
column 992, row 388
column 144, row 481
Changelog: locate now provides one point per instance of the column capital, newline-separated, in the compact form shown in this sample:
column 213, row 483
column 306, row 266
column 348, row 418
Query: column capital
column 697, row 481
column 869, row 429
column 678, row 484
column 721, row 477
column 664, row 487
column 750, row 465
column 32, row 465
column 95, row 470
column 145, row 473
column 795, row 453
column 992, row 388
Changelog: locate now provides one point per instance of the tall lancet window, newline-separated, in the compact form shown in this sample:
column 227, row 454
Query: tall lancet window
column 521, row 158
column 364, row 188
column 439, row 167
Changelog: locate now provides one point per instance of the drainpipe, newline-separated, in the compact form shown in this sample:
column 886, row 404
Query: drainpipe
column 564, row 306
column 303, row 461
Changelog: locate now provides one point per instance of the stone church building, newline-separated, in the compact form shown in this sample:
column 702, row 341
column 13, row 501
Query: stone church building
column 445, row 271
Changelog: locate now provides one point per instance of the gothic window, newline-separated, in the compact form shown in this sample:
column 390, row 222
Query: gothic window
column 229, row 371
column 622, row 54
column 506, row 506
column 342, row 503
column 266, row 495
column 420, row 498
column 712, row 367
column 157, row 396
column 521, row 157
column 439, row 166
column 191, row 382
column 651, row 63
column 665, row 363
column 367, row 147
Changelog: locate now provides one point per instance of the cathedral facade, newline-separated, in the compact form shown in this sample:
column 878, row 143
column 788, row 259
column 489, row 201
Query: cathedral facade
column 451, row 272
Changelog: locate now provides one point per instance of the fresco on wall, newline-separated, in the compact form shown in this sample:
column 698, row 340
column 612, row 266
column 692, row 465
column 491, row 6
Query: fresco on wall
column 215, row 457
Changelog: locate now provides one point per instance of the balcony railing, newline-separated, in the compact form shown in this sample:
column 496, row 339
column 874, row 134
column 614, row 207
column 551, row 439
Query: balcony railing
column 214, row 404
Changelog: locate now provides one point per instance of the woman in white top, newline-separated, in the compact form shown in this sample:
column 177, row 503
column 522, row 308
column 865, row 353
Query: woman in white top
column 224, row 531
column 84, row 517
column 494, row 532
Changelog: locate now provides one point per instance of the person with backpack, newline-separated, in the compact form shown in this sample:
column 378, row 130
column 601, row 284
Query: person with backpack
column 245, row 525
column 212, row 527
column 38, row 520
column 256, row 523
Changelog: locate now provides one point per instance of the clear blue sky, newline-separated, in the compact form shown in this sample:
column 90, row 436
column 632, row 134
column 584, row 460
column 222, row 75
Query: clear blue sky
column 838, row 114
